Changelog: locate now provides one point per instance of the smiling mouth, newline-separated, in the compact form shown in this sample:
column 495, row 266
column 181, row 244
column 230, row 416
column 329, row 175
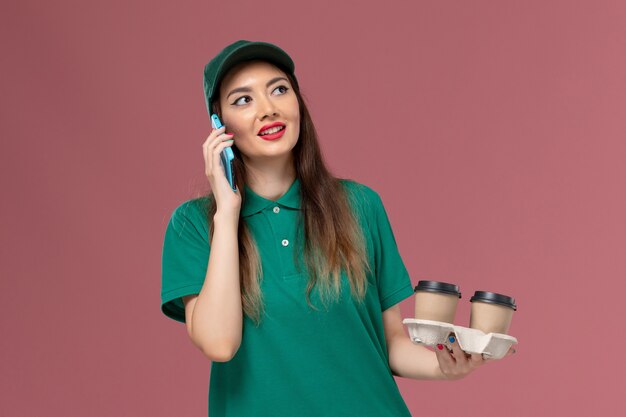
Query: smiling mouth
column 277, row 133
column 272, row 131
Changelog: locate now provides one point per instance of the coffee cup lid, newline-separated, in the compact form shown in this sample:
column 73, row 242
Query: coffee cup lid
column 494, row 298
column 437, row 286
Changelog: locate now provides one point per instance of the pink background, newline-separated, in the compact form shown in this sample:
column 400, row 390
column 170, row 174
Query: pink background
column 494, row 132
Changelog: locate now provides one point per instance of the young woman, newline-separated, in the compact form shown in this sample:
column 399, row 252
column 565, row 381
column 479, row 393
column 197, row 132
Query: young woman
column 290, row 285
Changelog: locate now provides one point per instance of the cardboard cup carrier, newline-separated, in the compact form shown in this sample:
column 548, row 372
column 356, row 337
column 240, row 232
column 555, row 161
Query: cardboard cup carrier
column 435, row 309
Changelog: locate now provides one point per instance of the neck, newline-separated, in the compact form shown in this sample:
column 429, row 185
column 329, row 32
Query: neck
column 271, row 178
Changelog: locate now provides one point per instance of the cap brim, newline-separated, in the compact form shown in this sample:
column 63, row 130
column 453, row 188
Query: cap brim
column 257, row 50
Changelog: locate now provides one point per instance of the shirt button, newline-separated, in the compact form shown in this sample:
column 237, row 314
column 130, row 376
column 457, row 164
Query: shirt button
column 285, row 242
column 276, row 209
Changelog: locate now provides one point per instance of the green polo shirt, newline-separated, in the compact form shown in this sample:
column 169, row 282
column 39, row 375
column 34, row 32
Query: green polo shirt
column 299, row 361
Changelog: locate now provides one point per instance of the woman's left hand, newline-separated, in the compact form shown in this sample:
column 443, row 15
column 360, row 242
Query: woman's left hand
column 457, row 364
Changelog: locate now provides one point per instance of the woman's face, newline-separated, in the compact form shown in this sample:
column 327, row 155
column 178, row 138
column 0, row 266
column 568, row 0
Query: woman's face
column 253, row 96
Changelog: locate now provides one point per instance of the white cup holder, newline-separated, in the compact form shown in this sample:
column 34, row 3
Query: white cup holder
column 432, row 333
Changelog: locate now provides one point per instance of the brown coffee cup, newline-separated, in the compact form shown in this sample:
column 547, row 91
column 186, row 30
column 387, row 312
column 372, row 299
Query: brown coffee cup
column 491, row 312
column 436, row 301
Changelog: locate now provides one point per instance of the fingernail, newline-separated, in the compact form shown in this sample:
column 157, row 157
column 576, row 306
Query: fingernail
column 440, row 347
column 232, row 140
column 451, row 339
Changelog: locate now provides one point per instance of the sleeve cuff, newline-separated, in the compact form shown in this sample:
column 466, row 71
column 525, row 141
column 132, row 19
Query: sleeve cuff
column 396, row 297
column 171, row 302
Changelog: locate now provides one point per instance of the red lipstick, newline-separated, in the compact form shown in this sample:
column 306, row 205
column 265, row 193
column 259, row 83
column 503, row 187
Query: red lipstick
column 270, row 126
column 272, row 136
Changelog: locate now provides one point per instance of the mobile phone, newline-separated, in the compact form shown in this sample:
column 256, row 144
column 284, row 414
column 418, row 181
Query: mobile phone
column 226, row 155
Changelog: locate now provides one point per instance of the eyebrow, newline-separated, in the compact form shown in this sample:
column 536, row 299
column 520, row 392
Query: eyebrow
column 248, row 89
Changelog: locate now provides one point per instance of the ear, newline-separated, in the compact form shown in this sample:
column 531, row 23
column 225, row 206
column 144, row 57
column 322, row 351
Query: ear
column 215, row 108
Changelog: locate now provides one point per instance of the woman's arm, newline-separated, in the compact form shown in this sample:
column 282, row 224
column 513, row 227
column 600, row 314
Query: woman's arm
column 216, row 321
column 407, row 359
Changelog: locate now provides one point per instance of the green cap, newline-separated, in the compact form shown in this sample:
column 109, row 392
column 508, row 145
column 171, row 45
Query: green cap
column 237, row 52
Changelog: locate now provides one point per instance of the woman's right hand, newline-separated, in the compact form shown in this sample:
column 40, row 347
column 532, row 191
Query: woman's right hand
column 228, row 201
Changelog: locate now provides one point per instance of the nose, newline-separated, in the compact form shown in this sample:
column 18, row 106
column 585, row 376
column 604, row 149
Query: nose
column 267, row 107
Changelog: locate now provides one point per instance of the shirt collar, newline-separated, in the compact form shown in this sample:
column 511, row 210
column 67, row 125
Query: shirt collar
column 254, row 203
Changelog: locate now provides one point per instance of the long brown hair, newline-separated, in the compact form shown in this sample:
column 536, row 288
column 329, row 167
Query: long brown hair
column 333, row 240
